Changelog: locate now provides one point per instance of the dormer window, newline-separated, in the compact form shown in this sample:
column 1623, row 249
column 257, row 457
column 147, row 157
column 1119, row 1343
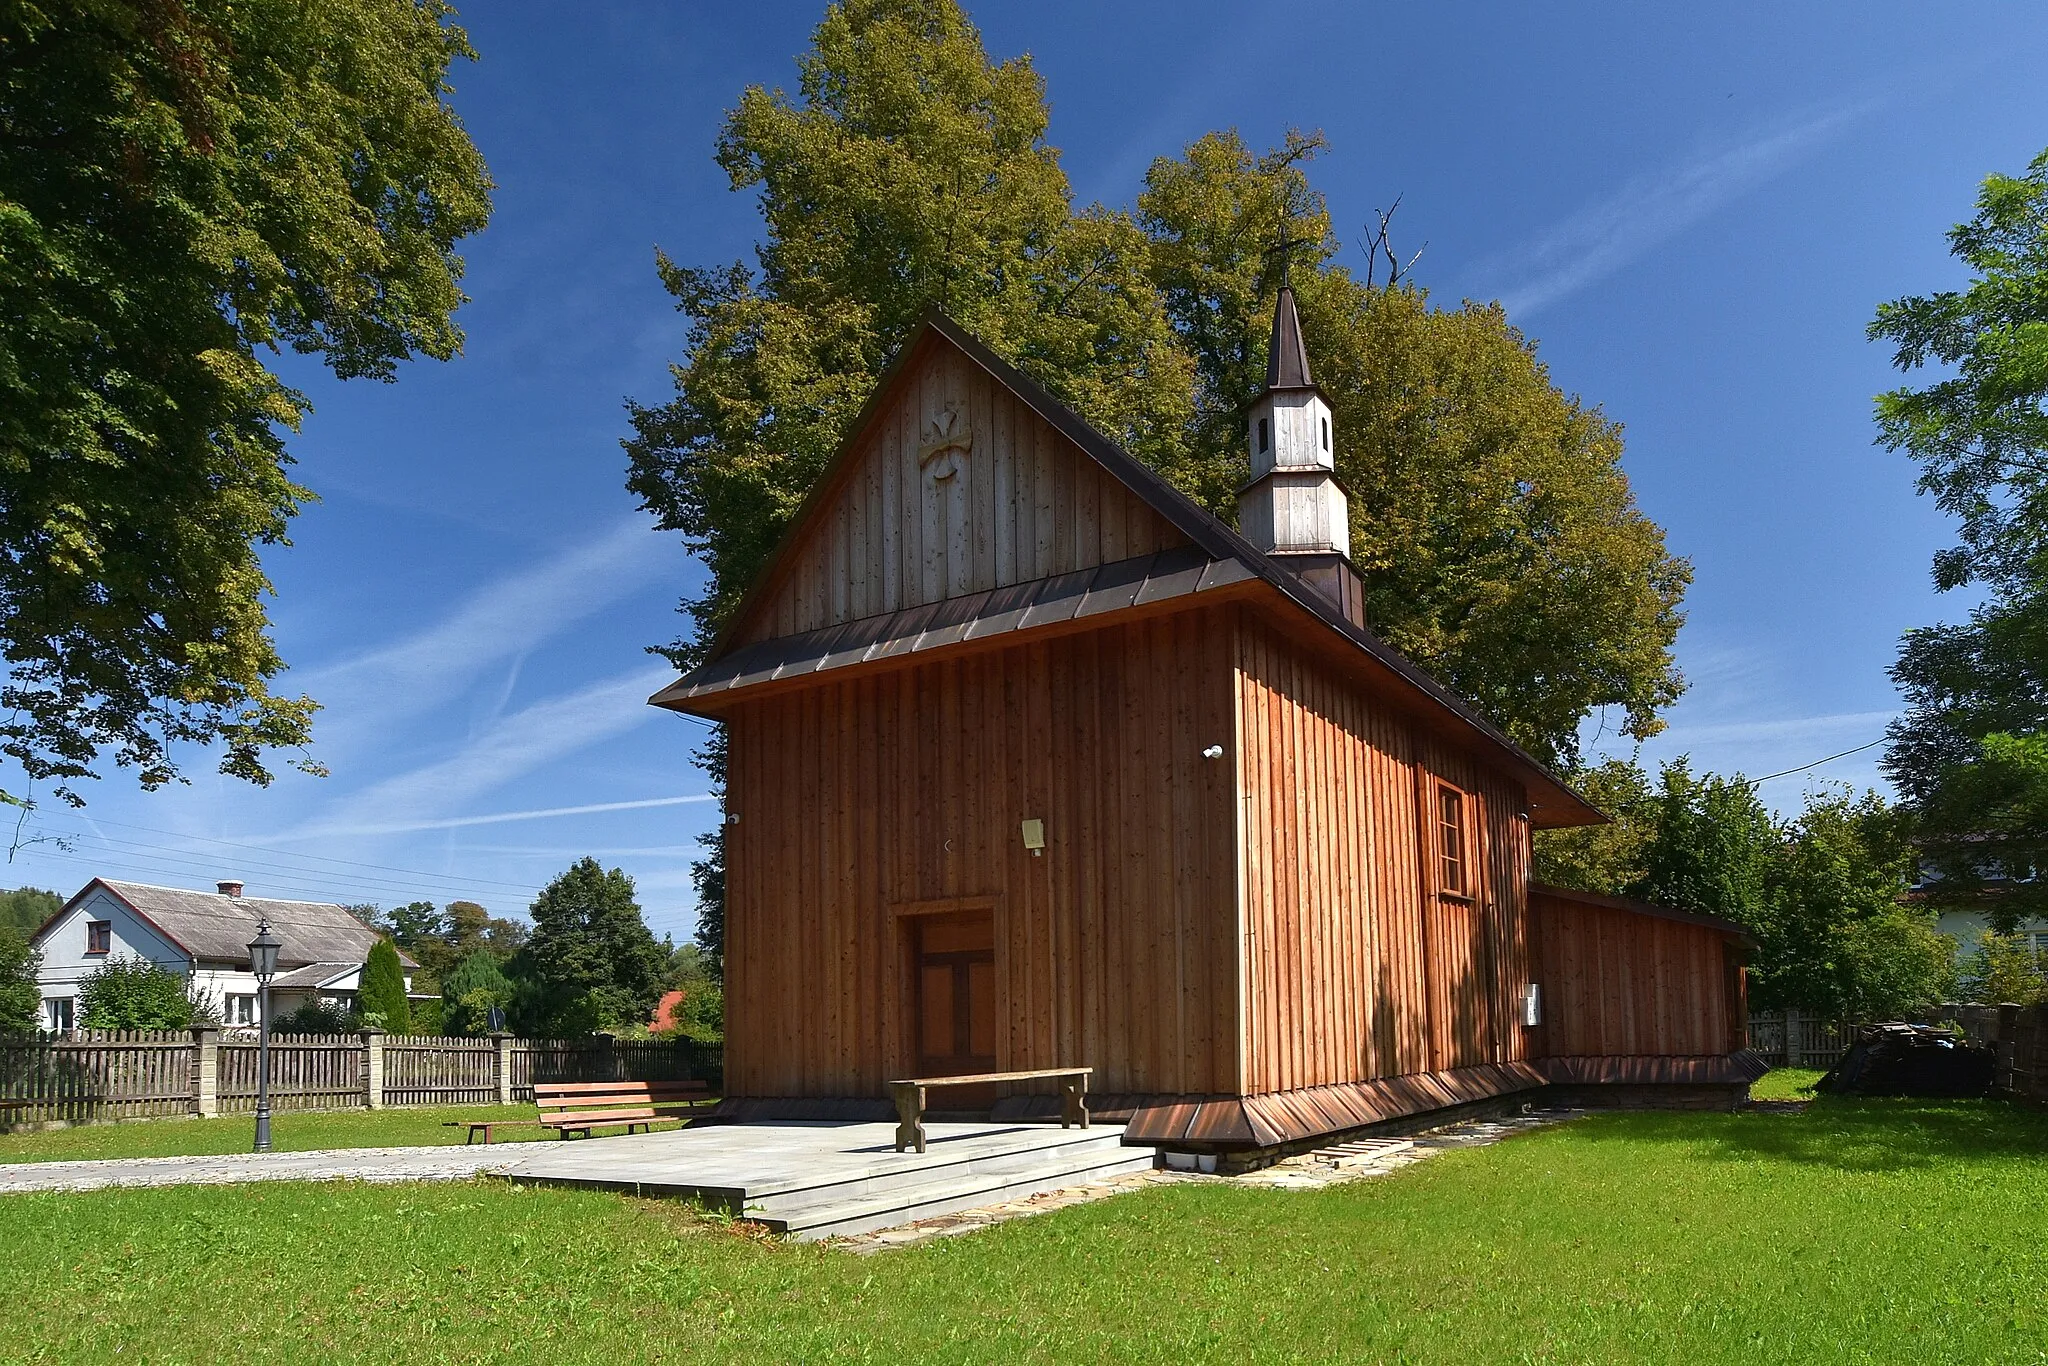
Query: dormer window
column 1265, row 435
column 99, row 936
column 1326, row 433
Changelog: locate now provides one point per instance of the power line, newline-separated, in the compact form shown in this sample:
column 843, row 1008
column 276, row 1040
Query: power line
column 172, row 866
column 201, row 861
column 1786, row 773
column 316, row 858
column 101, row 860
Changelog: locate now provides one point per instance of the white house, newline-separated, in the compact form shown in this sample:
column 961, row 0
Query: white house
column 205, row 936
column 1967, row 928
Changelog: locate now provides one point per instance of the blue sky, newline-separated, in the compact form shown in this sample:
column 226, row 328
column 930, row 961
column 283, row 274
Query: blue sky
column 1694, row 210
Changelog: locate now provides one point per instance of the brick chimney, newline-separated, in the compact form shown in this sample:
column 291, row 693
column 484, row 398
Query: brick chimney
column 229, row 888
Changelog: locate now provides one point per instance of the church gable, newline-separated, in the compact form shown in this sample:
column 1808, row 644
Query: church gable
column 952, row 486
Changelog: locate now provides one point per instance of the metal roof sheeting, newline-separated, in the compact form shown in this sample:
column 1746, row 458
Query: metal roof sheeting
column 215, row 928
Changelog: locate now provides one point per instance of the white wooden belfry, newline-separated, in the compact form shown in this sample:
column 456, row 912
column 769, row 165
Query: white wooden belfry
column 1292, row 504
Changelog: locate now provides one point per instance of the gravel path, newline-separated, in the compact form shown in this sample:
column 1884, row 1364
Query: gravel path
column 356, row 1164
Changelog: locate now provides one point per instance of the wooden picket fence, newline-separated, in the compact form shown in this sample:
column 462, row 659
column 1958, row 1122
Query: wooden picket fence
column 307, row 1072
column 123, row 1074
column 1790, row 1038
column 149, row 1071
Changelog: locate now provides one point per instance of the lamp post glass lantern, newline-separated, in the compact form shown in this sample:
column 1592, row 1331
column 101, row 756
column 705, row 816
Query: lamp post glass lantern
column 263, row 963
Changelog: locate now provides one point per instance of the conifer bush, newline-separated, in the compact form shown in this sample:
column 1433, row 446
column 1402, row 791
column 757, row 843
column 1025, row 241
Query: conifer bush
column 382, row 998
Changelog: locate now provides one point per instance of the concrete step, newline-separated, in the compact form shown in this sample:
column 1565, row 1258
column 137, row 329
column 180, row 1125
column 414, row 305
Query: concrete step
column 827, row 1213
column 1362, row 1152
column 943, row 1159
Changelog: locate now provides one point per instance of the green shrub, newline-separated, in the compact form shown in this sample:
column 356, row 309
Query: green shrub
column 700, row 1016
column 428, row 1017
column 382, row 998
column 2006, row 968
column 21, row 1000
column 318, row 1017
column 470, row 990
column 134, row 993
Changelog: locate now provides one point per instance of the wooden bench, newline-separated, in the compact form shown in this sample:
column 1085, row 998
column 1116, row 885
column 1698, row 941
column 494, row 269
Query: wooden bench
column 577, row 1107
column 910, row 1093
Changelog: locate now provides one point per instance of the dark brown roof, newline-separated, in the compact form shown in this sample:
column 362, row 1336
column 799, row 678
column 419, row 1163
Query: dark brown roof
column 976, row 616
column 217, row 929
column 1287, row 357
column 1622, row 903
column 1552, row 801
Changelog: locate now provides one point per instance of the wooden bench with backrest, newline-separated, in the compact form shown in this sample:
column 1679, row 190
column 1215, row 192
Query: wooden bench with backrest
column 909, row 1095
column 577, row 1107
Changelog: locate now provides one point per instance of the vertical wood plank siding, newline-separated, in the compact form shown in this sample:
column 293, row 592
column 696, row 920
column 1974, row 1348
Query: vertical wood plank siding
column 1624, row 984
column 857, row 802
column 1355, row 967
column 1025, row 504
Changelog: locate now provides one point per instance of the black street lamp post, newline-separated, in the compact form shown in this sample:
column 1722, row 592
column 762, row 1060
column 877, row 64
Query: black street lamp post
column 263, row 962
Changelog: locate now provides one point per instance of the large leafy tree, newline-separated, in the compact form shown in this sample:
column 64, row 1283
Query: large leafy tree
column 26, row 908
column 1712, row 848
column 1980, row 436
column 183, row 186
column 1495, row 527
column 591, row 962
column 440, row 938
column 1602, row 858
column 1495, row 530
column 1823, row 893
column 907, row 172
column 1834, row 932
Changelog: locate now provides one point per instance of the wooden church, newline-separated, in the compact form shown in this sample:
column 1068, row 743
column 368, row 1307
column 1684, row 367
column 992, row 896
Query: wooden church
column 1034, row 763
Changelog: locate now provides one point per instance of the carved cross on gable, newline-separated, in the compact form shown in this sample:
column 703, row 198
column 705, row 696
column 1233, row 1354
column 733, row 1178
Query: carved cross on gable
column 947, row 437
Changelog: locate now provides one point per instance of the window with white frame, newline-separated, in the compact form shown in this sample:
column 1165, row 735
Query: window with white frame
column 241, row 1010
column 61, row 1014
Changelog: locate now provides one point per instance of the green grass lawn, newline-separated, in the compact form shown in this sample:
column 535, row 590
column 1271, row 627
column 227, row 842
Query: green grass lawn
column 1786, row 1083
column 1856, row 1231
column 289, row 1132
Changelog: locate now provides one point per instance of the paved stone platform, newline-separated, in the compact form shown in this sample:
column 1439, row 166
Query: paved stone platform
column 818, row 1179
column 808, row 1179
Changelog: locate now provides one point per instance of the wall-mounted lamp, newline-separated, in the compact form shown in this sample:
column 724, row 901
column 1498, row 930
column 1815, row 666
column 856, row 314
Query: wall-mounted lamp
column 1034, row 838
column 1213, row 752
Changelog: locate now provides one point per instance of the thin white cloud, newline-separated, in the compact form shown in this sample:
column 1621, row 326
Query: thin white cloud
column 500, row 622
column 506, row 749
column 1867, row 723
column 542, row 813
column 1627, row 225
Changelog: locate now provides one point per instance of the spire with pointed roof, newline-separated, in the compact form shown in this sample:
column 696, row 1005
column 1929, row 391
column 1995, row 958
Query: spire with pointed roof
column 1293, row 508
column 1287, row 356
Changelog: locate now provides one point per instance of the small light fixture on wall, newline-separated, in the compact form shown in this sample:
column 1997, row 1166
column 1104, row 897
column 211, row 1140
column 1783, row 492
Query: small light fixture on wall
column 1532, row 1005
column 1213, row 752
column 1034, row 837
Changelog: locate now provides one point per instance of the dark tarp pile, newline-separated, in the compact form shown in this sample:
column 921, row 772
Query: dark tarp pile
column 1910, row 1060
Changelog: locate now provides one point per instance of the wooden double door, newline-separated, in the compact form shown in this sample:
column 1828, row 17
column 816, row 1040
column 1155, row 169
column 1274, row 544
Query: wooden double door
column 954, row 974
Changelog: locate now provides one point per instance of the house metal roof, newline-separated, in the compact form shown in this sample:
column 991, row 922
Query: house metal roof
column 214, row 928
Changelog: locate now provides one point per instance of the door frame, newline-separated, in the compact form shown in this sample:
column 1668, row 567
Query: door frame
column 905, row 951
